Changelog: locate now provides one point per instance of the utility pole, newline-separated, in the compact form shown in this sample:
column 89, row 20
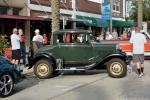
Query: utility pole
column 111, row 15
column 74, row 13
column 140, row 13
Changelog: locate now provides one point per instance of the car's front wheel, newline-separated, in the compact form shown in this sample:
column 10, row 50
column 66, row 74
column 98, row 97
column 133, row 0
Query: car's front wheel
column 117, row 68
column 43, row 69
column 6, row 84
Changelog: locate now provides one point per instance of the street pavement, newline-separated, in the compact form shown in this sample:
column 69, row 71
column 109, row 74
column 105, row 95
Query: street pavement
column 90, row 85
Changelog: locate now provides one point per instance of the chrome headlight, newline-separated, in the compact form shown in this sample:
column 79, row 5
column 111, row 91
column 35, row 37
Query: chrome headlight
column 118, row 47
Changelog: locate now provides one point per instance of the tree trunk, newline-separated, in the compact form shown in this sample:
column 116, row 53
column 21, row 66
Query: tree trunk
column 55, row 4
column 140, row 13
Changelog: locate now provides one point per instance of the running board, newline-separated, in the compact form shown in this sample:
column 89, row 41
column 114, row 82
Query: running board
column 77, row 68
column 70, row 69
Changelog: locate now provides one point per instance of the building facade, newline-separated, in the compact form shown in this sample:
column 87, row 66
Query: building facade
column 32, row 14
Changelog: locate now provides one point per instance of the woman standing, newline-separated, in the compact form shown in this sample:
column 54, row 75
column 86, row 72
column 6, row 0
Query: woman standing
column 22, row 46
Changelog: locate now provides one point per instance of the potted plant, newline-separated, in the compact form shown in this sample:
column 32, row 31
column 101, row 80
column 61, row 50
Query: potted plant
column 3, row 45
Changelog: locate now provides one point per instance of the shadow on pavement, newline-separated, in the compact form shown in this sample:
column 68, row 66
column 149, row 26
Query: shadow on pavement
column 29, row 81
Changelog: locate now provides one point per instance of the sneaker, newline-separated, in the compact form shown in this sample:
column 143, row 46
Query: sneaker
column 140, row 75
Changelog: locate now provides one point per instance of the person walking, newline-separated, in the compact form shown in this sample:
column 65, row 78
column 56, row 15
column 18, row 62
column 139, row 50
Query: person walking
column 138, row 41
column 22, row 46
column 15, row 43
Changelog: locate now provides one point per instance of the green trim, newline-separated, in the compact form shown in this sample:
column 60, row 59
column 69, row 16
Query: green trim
column 91, row 21
column 118, row 23
column 97, row 22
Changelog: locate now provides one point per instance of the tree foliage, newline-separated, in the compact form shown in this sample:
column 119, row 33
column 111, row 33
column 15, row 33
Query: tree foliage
column 146, row 10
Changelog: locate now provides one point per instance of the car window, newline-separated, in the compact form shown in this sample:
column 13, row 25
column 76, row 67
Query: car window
column 60, row 38
column 78, row 38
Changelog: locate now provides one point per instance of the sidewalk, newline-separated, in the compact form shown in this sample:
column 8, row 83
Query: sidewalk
column 27, row 71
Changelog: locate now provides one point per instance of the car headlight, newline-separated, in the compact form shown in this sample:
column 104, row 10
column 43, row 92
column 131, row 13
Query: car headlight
column 118, row 47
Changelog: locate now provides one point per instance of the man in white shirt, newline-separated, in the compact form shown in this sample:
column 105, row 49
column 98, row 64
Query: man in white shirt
column 37, row 36
column 138, row 40
column 37, row 40
column 115, row 35
column 108, row 36
column 15, row 42
column 133, row 32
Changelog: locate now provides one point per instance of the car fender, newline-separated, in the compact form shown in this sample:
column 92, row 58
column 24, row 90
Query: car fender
column 41, row 56
column 120, row 55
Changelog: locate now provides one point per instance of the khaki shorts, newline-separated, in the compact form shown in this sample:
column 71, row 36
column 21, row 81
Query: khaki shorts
column 138, row 58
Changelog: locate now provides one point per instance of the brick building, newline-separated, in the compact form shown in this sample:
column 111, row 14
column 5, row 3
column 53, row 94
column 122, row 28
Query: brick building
column 32, row 14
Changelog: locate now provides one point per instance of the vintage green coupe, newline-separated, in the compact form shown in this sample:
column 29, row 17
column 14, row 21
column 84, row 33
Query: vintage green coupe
column 76, row 50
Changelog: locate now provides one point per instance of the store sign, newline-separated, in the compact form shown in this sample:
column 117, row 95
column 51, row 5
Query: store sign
column 106, row 10
column 128, row 8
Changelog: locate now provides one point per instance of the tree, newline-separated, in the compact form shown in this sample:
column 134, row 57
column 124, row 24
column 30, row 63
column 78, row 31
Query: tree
column 146, row 10
column 55, row 4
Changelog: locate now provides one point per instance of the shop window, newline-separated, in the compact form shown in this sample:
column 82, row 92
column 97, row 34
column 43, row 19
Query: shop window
column 16, row 11
column 3, row 10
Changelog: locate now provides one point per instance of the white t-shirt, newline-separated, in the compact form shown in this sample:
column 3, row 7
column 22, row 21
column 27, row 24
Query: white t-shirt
column 109, row 37
column 138, row 41
column 15, row 41
column 38, row 38
column 132, row 34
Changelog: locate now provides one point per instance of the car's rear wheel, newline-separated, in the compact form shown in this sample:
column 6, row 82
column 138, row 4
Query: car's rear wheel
column 43, row 69
column 6, row 84
column 117, row 68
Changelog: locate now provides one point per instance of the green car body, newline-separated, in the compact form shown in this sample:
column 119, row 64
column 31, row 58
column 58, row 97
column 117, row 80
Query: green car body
column 71, row 54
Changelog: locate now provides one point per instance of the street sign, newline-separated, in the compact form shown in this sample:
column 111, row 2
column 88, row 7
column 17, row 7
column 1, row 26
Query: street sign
column 106, row 10
column 106, row 16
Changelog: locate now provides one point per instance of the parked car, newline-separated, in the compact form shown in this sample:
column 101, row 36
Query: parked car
column 127, row 46
column 76, row 50
column 8, row 77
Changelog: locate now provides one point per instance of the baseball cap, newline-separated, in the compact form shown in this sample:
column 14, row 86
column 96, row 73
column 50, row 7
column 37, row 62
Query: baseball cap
column 37, row 31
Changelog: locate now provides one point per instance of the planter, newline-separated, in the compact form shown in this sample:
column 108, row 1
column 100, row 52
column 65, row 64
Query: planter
column 8, row 53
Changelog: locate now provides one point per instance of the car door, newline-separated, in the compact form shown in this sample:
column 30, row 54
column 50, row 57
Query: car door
column 76, row 53
column 75, row 50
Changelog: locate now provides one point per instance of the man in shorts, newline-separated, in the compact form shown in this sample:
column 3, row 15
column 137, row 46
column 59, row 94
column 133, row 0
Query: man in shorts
column 15, row 42
column 138, row 41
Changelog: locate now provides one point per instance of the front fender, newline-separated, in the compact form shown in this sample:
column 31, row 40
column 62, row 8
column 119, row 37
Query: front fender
column 118, row 54
column 38, row 57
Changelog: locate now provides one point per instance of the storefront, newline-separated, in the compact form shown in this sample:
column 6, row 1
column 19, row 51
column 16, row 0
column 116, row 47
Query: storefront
column 27, row 23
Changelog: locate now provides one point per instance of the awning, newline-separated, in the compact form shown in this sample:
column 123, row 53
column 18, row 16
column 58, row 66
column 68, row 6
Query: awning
column 118, row 23
column 20, row 17
column 88, row 21
column 91, row 21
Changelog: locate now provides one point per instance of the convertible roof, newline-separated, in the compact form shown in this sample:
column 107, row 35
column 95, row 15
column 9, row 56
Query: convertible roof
column 72, row 31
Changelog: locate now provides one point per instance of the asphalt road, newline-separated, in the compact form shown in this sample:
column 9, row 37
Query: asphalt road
column 90, row 85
